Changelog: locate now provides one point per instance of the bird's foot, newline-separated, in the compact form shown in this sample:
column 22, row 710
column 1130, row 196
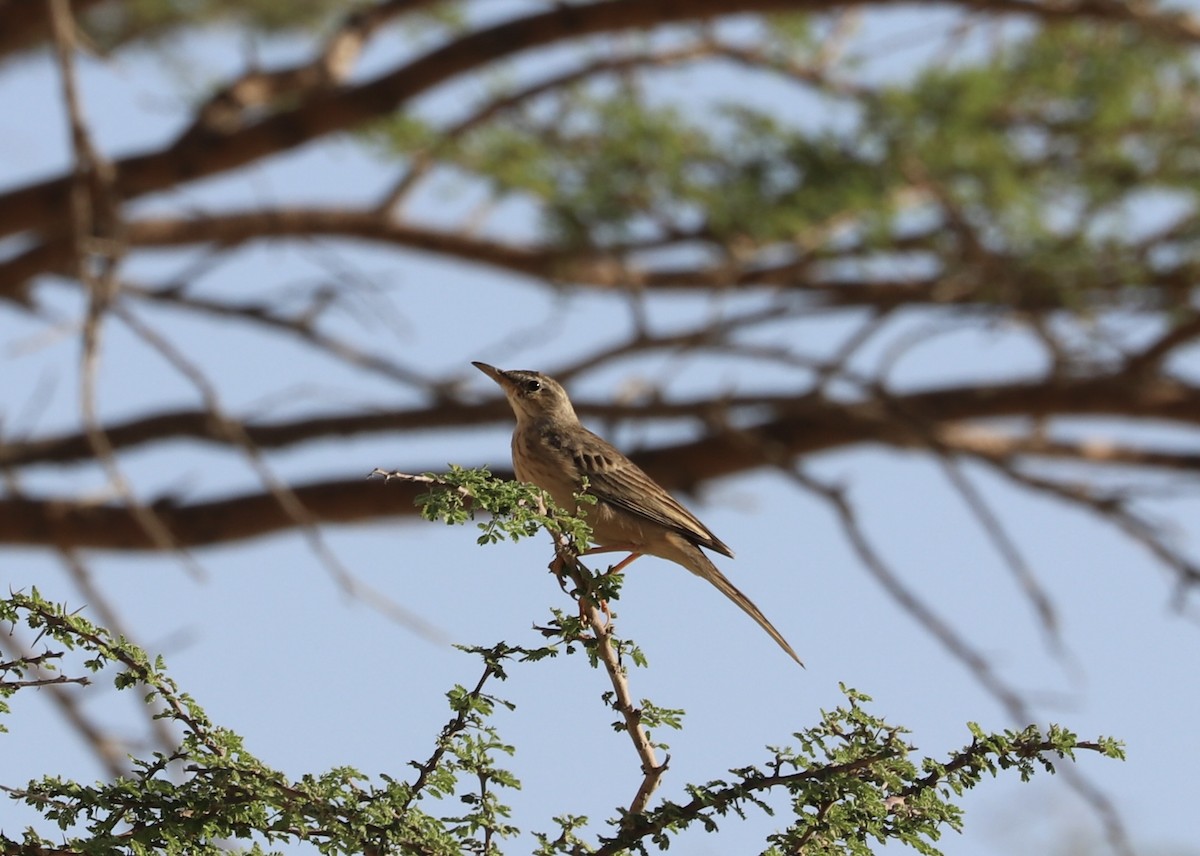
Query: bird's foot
column 600, row 604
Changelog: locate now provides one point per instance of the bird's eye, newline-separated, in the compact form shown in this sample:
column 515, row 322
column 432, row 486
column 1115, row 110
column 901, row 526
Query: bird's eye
column 533, row 385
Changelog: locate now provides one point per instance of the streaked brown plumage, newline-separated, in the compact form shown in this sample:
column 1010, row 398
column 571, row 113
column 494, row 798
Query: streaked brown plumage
column 552, row 449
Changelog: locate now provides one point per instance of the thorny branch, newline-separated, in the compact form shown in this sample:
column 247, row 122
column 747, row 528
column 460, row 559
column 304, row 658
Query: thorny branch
column 715, row 801
column 112, row 755
column 602, row 635
column 956, row 645
column 566, row 563
column 160, row 733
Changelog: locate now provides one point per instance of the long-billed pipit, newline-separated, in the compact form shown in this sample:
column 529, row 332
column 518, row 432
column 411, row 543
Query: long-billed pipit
column 552, row 450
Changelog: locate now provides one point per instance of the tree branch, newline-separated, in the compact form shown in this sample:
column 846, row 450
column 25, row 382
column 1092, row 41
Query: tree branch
column 25, row 24
column 194, row 156
column 803, row 424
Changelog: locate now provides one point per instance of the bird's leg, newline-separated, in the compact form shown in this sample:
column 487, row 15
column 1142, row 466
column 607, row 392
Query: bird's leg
column 615, row 548
column 624, row 563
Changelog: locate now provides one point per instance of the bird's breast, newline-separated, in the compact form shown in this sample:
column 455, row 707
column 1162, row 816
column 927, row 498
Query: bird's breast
column 540, row 458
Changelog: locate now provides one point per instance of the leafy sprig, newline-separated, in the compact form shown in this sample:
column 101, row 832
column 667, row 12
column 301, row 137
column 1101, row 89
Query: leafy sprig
column 850, row 780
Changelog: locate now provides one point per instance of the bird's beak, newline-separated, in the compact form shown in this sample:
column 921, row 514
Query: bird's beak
column 495, row 374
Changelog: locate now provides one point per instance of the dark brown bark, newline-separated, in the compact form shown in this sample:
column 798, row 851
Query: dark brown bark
column 905, row 422
column 26, row 23
column 197, row 155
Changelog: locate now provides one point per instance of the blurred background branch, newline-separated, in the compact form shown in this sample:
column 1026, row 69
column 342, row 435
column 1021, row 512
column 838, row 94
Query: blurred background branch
column 792, row 246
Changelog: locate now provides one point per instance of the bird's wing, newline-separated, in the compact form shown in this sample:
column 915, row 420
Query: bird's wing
column 615, row 479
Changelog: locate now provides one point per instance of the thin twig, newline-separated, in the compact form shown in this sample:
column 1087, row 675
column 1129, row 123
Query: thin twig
column 873, row 561
column 111, row 753
column 96, row 600
column 301, row 324
column 422, row 161
column 278, row 489
column 98, row 247
column 1009, row 552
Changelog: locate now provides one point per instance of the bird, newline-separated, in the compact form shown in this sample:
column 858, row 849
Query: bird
column 552, row 450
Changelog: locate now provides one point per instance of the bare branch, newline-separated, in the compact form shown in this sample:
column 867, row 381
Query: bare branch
column 111, row 753
column 24, row 24
column 1180, row 334
column 230, row 107
column 1006, row 546
column 804, row 424
column 97, row 248
column 953, row 642
column 289, row 503
column 301, row 324
column 99, row 603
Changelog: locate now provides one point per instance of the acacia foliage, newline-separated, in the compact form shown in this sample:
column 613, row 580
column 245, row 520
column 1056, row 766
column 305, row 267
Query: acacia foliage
column 848, row 781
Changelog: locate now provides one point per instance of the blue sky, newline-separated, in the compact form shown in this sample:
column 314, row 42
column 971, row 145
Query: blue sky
column 272, row 649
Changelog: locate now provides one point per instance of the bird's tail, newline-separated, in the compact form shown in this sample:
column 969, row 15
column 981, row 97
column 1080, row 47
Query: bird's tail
column 700, row 565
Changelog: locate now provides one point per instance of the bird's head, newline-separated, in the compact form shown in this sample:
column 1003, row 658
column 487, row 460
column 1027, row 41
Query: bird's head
column 532, row 395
